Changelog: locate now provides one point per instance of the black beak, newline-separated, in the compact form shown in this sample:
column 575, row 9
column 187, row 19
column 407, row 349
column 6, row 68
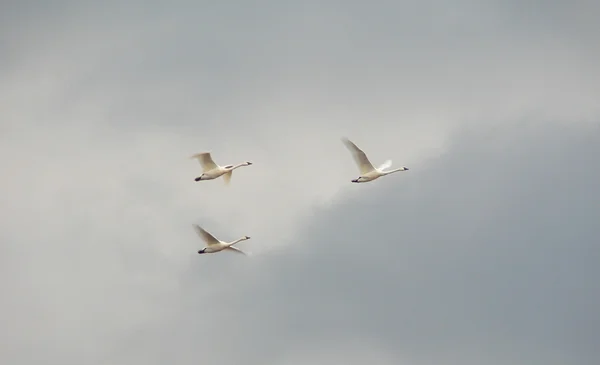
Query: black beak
column 355, row 180
column 406, row 168
column 249, row 163
column 201, row 251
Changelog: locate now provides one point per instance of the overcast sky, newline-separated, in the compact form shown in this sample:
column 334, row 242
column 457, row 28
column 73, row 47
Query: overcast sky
column 485, row 252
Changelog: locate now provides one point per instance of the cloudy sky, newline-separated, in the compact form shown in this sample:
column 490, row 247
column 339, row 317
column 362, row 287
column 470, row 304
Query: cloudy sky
column 485, row 252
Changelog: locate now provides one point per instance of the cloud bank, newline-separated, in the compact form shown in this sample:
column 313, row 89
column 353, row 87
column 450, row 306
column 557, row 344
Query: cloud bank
column 483, row 252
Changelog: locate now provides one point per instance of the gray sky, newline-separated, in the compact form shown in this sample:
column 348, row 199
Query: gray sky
column 485, row 251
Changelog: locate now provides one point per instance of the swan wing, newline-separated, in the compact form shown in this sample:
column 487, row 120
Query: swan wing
column 227, row 177
column 364, row 165
column 385, row 165
column 207, row 237
column 231, row 248
column 205, row 160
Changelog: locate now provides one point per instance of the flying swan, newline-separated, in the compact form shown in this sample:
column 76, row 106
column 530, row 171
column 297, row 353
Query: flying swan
column 212, row 171
column 367, row 171
column 214, row 245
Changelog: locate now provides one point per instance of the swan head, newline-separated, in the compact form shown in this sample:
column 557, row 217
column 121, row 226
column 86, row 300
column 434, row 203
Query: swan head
column 202, row 251
column 358, row 180
column 248, row 163
column 199, row 178
column 405, row 168
column 246, row 237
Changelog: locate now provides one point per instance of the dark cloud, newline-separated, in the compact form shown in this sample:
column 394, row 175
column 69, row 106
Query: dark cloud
column 102, row 103
column 487, row 254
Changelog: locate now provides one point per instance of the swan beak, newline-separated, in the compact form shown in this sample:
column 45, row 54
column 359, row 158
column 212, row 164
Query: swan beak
column 201, row 251
column 355, row 180
column 247, row 237
column 249, row 163
column 406, row 169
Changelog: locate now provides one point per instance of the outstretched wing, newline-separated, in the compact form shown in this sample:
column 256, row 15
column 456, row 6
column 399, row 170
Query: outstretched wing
column 231, row 248
column 205, row 160
column 385, row 165
column 227, row 177
column 364, row 165
column 207, row 237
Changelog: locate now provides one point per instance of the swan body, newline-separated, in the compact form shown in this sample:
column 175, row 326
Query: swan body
column 214, row 245
column 367, row 171
column 211, row 171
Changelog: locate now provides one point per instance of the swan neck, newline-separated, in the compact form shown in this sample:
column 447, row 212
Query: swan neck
column 236, row 241
column 238, row 165
column 392, row 171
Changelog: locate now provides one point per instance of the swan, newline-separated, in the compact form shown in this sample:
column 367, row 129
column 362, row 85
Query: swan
column 212, row 171
column 367, row 171
column 214, row 245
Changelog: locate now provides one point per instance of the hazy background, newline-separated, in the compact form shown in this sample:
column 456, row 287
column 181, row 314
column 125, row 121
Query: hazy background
column 485, row 252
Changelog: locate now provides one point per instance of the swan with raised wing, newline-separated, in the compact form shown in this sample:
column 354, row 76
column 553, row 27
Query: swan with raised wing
column 214, row 245
column 367, row 171
column 212, row 171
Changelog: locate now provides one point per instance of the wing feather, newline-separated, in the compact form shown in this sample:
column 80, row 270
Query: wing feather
column 385, row 165
column 227, row 177
column 364, row 165
column 205, row 160
column 207, row 237
column 231, row 248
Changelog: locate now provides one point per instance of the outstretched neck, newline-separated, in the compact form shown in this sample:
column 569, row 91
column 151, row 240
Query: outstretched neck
column 395, row 170
column 236, row 241
column 240, row 165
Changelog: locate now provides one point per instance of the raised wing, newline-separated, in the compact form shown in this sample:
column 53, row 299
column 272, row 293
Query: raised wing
column 231, row 248
column 227, row 177
column 206, row 161
column 207, row 237
column 385, row 165
column 364, row 165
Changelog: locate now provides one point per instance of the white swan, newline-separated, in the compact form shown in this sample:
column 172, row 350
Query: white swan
column 212, row 171
column 367, row 171
column 214, row 245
